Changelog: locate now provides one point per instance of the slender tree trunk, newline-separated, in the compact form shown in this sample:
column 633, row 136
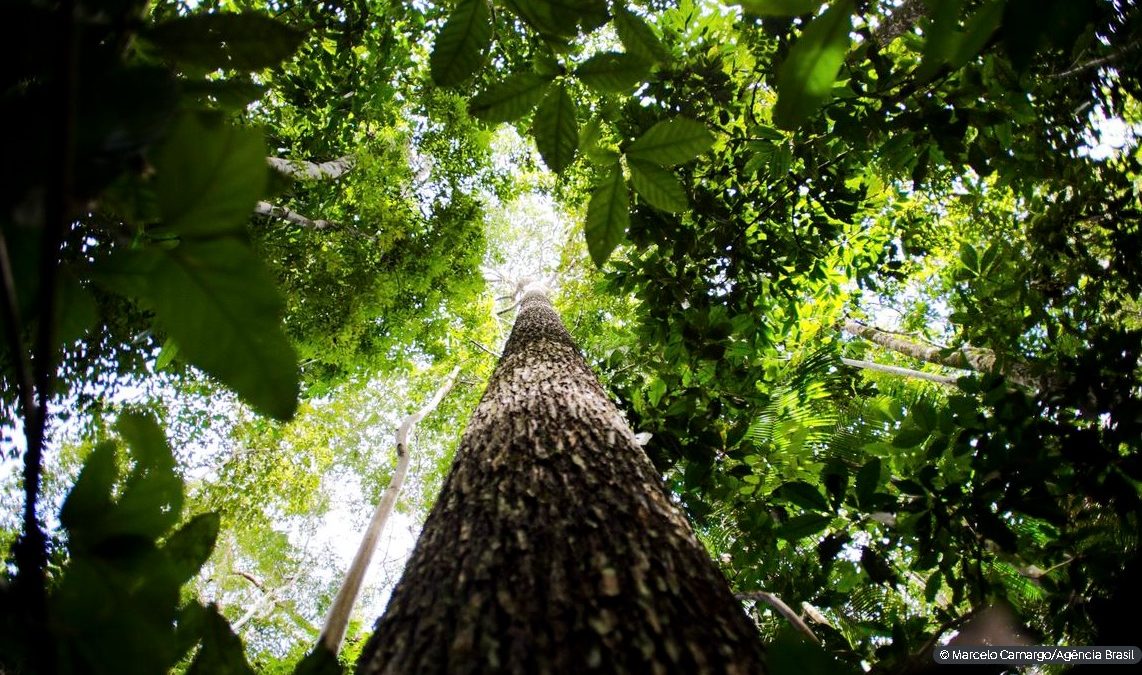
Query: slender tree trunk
column 333, row 633
column 553, row 547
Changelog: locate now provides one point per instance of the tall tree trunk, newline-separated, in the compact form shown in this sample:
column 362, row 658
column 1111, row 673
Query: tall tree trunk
column 553, row 547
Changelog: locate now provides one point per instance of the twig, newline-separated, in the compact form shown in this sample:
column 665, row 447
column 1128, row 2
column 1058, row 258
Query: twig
column 782, row 609
column 485, row 349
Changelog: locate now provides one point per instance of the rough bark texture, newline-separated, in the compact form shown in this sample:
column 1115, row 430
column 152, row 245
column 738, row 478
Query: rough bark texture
column 553, row 547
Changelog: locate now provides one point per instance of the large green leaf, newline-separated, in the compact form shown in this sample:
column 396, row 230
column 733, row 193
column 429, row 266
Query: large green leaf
column 613, row 72
column 803, row 526
column 246, row 41
column 188, row 549
column 221, row 652
column 462, row 43
column 637, row 36
column 217, row 301
column 671, row 142
column 779, row 7
column 804, row 495
column 209, row 177
column 510, row 99
column 151, row 500
column 657, row 186
column 90, row 497
column 607, row 215
column 805, row 80
column 556, row 129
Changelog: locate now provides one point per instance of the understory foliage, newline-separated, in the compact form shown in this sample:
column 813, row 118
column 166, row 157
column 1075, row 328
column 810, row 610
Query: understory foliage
column 207, row 337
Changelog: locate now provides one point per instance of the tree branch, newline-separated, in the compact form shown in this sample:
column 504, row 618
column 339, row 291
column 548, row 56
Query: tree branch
column 333, row 633
column 300, row 169
column 282, row 213
column 782, row 609
column 906, row 372
column 965, row 358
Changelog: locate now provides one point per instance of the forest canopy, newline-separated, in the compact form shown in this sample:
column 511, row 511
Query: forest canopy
column 863, row 274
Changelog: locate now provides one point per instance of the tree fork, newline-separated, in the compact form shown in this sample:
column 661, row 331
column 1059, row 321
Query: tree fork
column 553, row 547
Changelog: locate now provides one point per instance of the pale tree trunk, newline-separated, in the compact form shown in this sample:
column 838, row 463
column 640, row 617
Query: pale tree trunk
column 967, row 358
column 333, row 633
column 334, row 168
column 553, row 547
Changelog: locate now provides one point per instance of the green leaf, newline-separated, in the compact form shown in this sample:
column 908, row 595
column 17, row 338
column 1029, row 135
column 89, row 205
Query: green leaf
column 613, row 72
column 510, row 99
column 637, row 36
column 221, row 652
column 909, row 437
column 978, row 31
column 671, row 142
column 320, row 661
column 658, row 186
column 803, row 526
column 209, row 177
column 216, row 299
column 556, row 129
column 188, row 549
column 607, row 216
column 969, row 257
column 231, row 94
column 804, row 495
column 805, row 79
column 867, row 481
column 655, row 391
column 151, row 500
column 166, row 355
column 591, row 143
column 245, row 41
column 462, row 44
column 779, row 7
column 941, row 38
column 90, row 497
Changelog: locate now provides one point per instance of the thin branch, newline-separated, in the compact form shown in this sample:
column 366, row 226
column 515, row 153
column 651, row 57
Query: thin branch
column 334, row 168
column 333, row 633
column 485, row 349
column 946, row 380
column 1095, row 63
column 782, row 609
column 268, row 599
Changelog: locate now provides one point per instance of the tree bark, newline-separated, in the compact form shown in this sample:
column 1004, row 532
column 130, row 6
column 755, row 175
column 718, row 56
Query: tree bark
column 300, row 169
column 553, row 547
column 282, row 213
column 967, row 358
